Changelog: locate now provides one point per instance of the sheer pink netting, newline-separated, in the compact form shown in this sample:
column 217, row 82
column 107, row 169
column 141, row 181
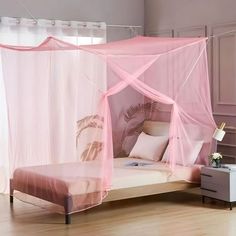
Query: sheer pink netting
column 68, row 106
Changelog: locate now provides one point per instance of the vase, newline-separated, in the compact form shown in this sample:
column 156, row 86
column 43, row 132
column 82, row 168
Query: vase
column 216, row 163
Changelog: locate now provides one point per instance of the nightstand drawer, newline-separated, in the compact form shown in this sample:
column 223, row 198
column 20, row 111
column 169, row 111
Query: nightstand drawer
column 215, row 190
column 214, row 176
column 214, row 187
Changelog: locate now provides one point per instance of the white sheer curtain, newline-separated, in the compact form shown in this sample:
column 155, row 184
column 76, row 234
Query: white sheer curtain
column 31, row 32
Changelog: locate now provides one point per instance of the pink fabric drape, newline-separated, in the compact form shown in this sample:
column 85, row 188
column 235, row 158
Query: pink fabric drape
column 76, row 106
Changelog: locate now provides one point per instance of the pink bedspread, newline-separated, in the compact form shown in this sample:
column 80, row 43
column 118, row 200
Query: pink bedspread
column 60, row 182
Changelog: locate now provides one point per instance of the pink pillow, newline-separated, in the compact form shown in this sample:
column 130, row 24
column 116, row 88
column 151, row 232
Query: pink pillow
column 149, row 147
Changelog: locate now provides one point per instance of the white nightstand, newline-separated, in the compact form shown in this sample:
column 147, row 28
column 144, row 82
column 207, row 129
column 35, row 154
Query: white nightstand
column 218, row 183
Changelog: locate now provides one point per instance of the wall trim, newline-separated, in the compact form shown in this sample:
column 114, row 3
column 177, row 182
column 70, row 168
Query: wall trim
column 230, row 129
column 202, row 29
column 223, row 114
column 226, row 103
column 227, row 145
column 161, row 33
column 230, row 156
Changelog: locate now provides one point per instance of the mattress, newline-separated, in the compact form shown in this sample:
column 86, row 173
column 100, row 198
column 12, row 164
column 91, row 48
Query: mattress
column 145, row 172
column 55, row 178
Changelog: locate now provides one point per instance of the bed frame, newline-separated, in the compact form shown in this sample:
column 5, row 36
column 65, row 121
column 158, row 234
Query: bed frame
column 154, row 128
column 121, row 194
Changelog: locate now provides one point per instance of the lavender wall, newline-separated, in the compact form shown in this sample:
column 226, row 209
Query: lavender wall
column 164, row 14
column 128, row 12
column 191, row 18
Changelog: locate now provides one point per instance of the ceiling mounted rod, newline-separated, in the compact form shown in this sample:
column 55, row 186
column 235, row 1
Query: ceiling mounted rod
column 125, row 26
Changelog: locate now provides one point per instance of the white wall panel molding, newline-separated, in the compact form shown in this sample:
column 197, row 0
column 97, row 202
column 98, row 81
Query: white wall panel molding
column 161, row 33
column 192, row 31
column 223, row 114
column 231, row 129
column 224, row 69
column 229, row 159
column 229, row 156
column 227, row 149
column 227, row 145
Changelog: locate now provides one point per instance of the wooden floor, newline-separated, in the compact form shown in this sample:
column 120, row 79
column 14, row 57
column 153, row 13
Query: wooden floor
column 174, row 214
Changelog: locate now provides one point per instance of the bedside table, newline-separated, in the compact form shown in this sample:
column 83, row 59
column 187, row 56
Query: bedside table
column 218, row 183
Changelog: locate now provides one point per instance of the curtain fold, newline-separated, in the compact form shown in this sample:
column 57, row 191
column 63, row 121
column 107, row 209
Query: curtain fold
column 4, row 160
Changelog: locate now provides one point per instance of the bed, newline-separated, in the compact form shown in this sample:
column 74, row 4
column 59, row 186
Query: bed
column 128, row 182
column 132, row 177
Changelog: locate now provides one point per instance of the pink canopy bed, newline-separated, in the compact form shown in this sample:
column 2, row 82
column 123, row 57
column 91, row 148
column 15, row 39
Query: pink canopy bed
column 131, row 117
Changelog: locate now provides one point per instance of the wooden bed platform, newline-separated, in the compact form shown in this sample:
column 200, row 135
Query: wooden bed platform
column 147, row 190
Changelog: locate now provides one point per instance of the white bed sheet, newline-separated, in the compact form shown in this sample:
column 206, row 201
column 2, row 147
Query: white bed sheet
column 158, row 172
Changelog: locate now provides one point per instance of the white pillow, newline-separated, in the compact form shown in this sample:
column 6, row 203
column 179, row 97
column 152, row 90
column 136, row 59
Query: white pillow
column 149, row 147
column 190, row 156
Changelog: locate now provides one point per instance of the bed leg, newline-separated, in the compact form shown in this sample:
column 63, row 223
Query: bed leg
column 11, row 199
column 11, row 191
column 67, row 219
column 68, row 207
column 203, row 199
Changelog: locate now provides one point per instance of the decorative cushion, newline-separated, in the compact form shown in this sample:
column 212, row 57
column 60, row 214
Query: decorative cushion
column 156, row 128
column 149, row 147
column 190, row 155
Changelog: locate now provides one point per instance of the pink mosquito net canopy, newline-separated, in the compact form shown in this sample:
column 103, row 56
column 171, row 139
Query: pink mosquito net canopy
column 72, row 109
